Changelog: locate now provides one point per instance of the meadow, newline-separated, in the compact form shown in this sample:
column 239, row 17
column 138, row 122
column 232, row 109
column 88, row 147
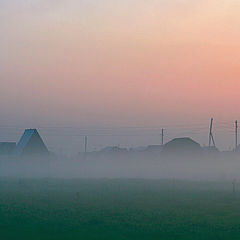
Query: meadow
column 118, row 209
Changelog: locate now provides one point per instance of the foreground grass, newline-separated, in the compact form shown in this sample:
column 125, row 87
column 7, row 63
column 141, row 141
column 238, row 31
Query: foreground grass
column 117, row 209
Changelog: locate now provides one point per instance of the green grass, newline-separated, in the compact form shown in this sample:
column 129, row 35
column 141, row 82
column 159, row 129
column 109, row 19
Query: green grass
column 118, row 209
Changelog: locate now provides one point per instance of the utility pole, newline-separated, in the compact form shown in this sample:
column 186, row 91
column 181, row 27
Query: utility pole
column 210, row 133
column 162, row 136
column 236, row 136
column 211, row 139
column 85, row 142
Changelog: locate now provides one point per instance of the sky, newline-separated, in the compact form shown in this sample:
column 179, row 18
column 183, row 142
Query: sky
column 93, row 65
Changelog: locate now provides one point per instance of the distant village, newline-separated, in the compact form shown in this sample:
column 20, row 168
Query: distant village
column 31, row 144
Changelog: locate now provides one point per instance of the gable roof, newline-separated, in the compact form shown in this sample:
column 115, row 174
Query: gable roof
column 26, row 140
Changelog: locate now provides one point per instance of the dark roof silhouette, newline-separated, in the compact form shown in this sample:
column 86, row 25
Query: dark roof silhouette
column 182, row 145
column 7, row 148
column 154, row 148
column 211, row 149
column 113, row 149
column 31, row 143
column 238, row 148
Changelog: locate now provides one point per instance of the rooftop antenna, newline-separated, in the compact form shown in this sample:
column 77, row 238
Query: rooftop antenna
column 211, row 138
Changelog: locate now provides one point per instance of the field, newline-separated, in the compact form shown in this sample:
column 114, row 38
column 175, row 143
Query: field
column 118, row 209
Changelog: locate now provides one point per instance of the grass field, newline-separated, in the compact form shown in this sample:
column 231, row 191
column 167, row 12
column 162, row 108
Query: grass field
column 118, row 209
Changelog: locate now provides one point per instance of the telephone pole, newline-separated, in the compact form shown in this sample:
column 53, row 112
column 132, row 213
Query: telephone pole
column 236, row 135
column 162, row 136
column 211, row 139
column 85, row 143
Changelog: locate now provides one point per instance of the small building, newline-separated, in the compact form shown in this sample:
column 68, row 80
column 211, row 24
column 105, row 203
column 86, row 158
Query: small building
column 237, row 149
column 182, row 146
column 7, row 148
column 31, row 143
column 114, row 149
column 211, row 150
column 154, row 148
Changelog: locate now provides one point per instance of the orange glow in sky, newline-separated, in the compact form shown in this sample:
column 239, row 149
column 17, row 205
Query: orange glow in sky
column 119, row 62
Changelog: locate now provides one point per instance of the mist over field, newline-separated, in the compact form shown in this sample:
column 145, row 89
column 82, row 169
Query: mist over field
column 176, row 190
column 123, row 166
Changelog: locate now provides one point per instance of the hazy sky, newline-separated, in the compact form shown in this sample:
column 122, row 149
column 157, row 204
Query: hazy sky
column 119, row 62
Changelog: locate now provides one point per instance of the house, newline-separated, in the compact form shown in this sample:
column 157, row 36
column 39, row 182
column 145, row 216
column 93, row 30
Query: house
column 31, row 143
column 7, row 148
column 114, row 149
column 154, row 148
column 210, row 150
column 182, row 146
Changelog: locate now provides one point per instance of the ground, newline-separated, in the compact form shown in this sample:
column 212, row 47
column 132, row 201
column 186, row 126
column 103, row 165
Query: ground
column 118, row 209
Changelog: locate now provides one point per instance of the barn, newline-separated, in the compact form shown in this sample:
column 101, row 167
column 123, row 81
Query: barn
column 31, row 143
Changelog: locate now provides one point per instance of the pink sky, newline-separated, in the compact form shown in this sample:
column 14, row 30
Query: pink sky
column 119, row 63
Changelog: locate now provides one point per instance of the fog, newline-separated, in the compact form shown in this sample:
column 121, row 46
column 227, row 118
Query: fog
column 125, row 165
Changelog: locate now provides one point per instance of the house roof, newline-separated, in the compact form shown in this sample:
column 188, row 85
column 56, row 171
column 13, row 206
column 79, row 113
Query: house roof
column 182, row 145
column 28, row 133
